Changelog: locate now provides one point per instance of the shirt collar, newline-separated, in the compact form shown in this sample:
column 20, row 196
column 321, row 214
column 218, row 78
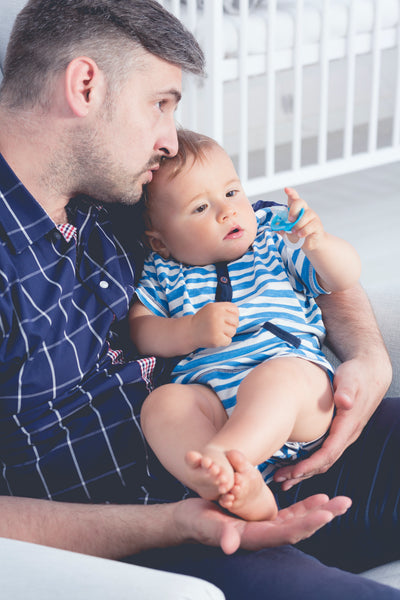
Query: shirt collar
column 22, row 218
column 24, row 221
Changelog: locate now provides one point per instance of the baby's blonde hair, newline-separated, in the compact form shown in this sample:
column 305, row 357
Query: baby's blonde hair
column 191, row 146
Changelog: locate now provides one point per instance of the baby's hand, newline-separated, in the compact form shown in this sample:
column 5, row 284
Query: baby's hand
column 309, row 227
column 215, row 324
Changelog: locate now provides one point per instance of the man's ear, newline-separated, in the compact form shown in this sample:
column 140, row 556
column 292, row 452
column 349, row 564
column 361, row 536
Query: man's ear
column 84, row 85
column 156, row 243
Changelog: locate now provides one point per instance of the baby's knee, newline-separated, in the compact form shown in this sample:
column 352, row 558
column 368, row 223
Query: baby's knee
column 157, row 405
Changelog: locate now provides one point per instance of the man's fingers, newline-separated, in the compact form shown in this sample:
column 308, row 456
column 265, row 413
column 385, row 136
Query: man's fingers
column 346, row 393
column 230, row 538
column 301, row 528
column 303, row 470
column 297, row 522
column 319, row 502
column 294, row 523
column 303, row 506
column 343, row 432
column 317, row 463
column 343, row 399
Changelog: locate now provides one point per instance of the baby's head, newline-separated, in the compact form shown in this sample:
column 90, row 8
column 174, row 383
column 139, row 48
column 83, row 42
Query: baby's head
column 196, row 209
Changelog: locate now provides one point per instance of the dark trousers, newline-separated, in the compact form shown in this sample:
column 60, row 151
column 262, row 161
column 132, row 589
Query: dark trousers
column 366, row 536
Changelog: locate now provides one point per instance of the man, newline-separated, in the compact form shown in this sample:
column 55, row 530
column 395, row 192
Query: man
column 86, row 111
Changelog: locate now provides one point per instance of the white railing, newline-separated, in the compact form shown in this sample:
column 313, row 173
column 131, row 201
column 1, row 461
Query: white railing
column 256, row 100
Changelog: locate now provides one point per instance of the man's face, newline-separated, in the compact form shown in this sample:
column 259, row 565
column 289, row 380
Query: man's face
column 126, row 142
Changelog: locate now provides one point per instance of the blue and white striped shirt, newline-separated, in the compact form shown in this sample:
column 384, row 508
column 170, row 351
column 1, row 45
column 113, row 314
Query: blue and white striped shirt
column 274, row 288
column 69, row 400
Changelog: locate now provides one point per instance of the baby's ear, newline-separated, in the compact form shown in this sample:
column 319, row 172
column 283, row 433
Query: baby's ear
column 156, row 243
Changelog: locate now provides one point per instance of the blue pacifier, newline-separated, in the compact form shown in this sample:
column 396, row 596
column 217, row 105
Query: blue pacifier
column 280, row 221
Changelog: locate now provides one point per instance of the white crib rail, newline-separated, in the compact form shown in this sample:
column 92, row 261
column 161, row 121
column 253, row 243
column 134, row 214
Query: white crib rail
column 204, row 108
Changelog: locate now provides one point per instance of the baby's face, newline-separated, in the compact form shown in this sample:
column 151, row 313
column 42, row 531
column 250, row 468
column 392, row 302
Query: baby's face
column 202, row 215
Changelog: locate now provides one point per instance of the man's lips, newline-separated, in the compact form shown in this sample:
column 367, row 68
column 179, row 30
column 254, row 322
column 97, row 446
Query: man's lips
column 234, row 233
column 150, row 170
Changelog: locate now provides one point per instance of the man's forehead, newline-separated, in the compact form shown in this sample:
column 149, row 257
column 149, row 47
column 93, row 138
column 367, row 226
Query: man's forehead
column 154, row 64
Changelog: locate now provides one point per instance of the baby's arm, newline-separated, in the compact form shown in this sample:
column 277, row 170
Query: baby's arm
column 335, row 261
column 212, row 326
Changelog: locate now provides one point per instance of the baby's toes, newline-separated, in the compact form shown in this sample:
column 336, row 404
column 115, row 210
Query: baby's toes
column 214, row 470
column 207, row 463
column 194, row 459
column 226, row 500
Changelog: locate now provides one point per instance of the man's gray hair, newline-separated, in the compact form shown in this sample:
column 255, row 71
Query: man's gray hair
column 47, row 35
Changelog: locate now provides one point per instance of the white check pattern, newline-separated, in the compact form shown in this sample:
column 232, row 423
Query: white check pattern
column 69, row 400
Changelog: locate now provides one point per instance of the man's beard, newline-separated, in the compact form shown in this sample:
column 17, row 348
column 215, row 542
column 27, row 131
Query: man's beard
column 110, row 184
column 95, row 174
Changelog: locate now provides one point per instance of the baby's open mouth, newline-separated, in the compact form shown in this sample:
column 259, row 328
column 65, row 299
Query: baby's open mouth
column 235, row 232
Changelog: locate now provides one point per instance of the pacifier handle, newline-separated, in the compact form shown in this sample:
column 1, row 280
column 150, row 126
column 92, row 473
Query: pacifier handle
column 280, row 221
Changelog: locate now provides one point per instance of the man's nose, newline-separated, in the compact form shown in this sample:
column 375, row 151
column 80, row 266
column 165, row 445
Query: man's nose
column 167, row 143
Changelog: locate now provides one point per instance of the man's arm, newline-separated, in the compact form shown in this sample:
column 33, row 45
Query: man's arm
column 117, row 531
column 360, row 382
column 105, row 530
column 351, row 311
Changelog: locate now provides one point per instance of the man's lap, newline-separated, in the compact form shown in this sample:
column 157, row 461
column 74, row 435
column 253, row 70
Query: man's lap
column 364, row 537
column 367, row 535
column 275, row 573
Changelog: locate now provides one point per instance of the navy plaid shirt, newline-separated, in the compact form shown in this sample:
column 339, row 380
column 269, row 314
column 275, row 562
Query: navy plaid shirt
column 69, row 400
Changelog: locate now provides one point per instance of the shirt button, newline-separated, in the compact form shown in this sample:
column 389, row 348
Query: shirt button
column 104, row 284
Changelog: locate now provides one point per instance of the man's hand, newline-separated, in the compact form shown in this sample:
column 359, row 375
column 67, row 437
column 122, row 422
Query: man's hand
column 117, row 531
column 207, row 524
column 360, row 382
column 214, row 325
column 357, row 393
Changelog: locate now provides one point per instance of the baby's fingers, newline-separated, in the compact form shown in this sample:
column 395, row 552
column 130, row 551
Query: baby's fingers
column 292, row 194
column 309, row 225
column 231, row 313
column 295, row 204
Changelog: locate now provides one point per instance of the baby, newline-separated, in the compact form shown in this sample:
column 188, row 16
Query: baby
column 235, row 302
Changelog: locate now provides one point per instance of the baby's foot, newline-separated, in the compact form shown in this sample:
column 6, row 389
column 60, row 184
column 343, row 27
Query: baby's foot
column 211, row 473
column 249, row 498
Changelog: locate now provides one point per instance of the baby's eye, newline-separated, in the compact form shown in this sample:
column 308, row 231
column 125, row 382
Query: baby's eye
column 231, row 193
column 200, row 208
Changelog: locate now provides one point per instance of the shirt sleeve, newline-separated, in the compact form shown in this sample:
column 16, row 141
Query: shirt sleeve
column 149, row 290
column 264, row 216
column 301, row 273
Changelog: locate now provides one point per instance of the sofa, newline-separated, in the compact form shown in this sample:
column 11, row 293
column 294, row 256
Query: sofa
column 34, row 571
column 386, row 304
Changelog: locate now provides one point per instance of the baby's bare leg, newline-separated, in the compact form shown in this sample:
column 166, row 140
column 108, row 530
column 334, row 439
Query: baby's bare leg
column 282, row 399
column 179, row 421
